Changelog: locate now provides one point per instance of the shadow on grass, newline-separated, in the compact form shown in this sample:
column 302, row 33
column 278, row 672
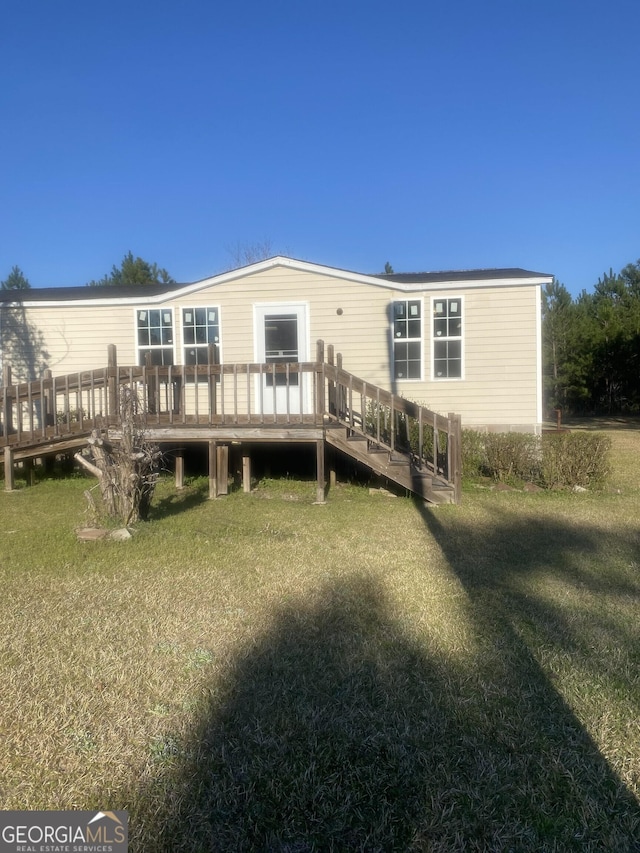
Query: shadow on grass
column 179, row 502
column 498, row 563
column 622, row 422
column 336, row 731
column 500, row 567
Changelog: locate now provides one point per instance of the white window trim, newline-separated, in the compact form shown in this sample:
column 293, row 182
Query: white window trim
column 183, row 345
column 135, row 330
column 433, row 339
column 407, row 298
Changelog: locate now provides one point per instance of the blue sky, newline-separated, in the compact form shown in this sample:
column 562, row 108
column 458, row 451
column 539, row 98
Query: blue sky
column 447, row 135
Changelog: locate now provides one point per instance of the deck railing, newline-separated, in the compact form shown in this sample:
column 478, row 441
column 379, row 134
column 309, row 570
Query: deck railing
column 319, row 393
column 391, row 422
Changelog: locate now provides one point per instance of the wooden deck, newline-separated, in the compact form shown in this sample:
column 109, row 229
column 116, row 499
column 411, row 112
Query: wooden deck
column 315, row 402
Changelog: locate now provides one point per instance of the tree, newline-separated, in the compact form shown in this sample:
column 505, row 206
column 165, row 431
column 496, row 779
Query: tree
column 557, row 320
column 388, row 269
column 16, row 280
column 591, row 345
column 244, row 254
column 134, row 271
column 127, row 470
column 614, row 311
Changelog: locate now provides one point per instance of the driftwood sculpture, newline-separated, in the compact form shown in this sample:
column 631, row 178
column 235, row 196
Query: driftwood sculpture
column 127, row 469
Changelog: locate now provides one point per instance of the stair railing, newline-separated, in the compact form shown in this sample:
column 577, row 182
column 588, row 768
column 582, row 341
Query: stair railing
column 390, row 422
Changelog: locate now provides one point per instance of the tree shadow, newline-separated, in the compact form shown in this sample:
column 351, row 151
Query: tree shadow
column 337, row 730
column 176, row 503
column 602, row 422
column 496, row 561
column 23, row 343
column 499, row 565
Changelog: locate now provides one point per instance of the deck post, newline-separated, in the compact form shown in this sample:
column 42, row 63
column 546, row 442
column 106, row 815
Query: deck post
column 48, row 402
column 29, row 471
column 333, row 477
column 9, row 473
column 153, row 401
column 180, row 468
column 112, row 373
column 339, row 391
column 213, row 470
column 331, row 385
column 246, row 474
column 223, row 469
column 7, row 407
column 454, row 453
column 212, row 359
column 320, row 487
column 320, row 401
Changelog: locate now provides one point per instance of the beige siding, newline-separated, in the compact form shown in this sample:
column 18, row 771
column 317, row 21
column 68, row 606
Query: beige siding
column 76, row 337
column 499, row 386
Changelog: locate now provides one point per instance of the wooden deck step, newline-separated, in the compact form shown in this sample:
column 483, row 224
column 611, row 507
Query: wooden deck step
column 396, row 467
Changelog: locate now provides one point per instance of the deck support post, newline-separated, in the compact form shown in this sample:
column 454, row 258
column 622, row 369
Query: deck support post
column 320, row 487
column 246, row 475
column 223, row 469
column 180, row 468
column 9, row 473
column 29, row 471
column 213, row 469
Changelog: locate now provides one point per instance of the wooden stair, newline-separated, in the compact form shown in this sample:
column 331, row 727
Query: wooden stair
column 396, row 466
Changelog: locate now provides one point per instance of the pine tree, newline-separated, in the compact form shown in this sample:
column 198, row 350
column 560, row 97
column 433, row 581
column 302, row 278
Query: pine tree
column 16, row 280
column 134, row 271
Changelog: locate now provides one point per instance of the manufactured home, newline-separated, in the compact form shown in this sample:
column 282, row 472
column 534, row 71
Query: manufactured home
column 467, row 342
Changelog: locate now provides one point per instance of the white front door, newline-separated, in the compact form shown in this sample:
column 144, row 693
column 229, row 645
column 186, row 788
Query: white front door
column 281, row 337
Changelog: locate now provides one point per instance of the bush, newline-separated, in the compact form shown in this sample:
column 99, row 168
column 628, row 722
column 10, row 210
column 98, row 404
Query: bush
column 554, row 460
column 474, row 458
column 513, row 456
column 575, row 459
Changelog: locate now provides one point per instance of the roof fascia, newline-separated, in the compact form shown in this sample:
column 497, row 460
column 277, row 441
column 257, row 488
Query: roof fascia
column 361, row 278
column 301, row 266
column 462, row 284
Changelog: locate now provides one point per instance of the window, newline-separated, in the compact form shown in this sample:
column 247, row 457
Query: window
column 447, row 338
column 407, row 339
column 281, row 345
column 200, row 327
column 155, row 335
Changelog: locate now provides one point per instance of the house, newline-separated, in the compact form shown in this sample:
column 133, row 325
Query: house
column 463, row 341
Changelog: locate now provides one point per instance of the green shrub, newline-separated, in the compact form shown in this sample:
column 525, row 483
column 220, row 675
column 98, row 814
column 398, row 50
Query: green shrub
column 513, row 456
column 575, row 459
column 554, row 460
column 474, row 459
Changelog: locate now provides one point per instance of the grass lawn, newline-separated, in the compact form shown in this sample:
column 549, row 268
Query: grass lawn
column 261, row 674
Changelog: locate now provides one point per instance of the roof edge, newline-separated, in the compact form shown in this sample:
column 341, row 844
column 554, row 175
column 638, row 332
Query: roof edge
column 155, row 294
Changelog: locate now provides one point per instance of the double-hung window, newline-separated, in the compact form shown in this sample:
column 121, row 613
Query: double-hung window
column 155, row 335
column 447, row 338
column 407, row 339
column 200, row 327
